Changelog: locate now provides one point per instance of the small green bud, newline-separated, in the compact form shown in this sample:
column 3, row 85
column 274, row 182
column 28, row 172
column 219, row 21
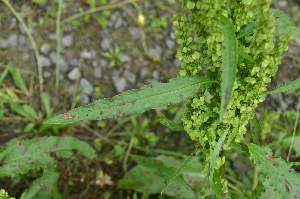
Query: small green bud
column 196, row 55
column 190, row 5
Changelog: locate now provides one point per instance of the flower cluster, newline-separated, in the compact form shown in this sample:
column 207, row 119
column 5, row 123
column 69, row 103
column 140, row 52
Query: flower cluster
column 200, row 38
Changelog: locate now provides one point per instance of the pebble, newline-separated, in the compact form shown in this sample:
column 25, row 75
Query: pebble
column 125, row 58
column 12, row 41
column 177, row 62
column 135, row 32
column 45, row 62
column 21, row 41
column 170, row 43
column 45, row 48
column 84, row 98
column 74, row 62
column 3, row 43
column 52, row 57
column 98, row 73
column 129, row 76
column 85, row 54
column 155, row 52
column 119, row 82
column 105, row 44
column 63, row 65
column 74, row 74
column 86, row 87
column 67, row 40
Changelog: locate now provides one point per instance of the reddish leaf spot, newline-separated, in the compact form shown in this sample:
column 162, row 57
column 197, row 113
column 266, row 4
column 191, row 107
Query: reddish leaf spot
column 20, row 166
column 275, row 164
column 288, row 186
column 38, row 141
column 19, row 144
column 47, row 149
column 111, row 100
column 24, row 151
column 121, row 104
column 101, row 112
column 31, row 162
column 271, row 158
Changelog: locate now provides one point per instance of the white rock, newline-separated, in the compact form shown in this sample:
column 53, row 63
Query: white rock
column 74, row 74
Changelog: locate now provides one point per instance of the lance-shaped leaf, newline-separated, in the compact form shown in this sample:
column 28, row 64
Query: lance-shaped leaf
column 170, row 124
column 18, row 158
column 136, row 101
column 284, row 87
column 281, row 181
column 229, row 62
column 283, row 23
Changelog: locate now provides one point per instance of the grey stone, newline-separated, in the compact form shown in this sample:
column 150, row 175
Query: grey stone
column 125, row 58
column 118, row 22
column 63, row 65
column 45, row 48
column 170, row 43
column 12, row 40
column 155, row 52
column 52, row 57
column 74, row 62
column 119, row 82
column 135, row 32
column 103, row 63
column 22, row 41
column 74, row 74
column 177, row 62
column 172, row 35
column 85, row 54
column 84, row 99
column 3, row 43
column 45, row 62
column 46, row 74
column 131, row 77
column 67, row 40
column 155, row 75
column 98, row 72
column 105, row 44
column 282, row 4
column 52, row 36
column 86, row 87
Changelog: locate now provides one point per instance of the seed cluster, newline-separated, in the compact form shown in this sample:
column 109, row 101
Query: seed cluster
column 200, row 38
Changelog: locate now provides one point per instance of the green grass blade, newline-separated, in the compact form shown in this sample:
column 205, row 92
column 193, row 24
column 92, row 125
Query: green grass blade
column 182, row 167
column 284, row 87
column 136, row 101
column 229, row 62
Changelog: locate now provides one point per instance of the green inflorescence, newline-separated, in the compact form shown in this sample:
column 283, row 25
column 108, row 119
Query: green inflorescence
column 200, row 38
column 4, row 195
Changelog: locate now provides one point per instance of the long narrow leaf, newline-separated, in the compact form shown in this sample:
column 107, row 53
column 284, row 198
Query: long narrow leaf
column 170, row 124
column 229, row 62
column 136, row 101
column 284, row 87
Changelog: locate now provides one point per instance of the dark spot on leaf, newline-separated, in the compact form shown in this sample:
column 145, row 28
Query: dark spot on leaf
column 38, row 141
column 122, row 113
column 97, row 118
column 142, row 185
column 133, row 102
column 223, row 47
column 118, row 111
column 111, row 100
column 108, row 110
column 19, row 144
column 48, row 164
column 178, row 188
column 24, row 151
column 121, row 104
column 31, row 152
column 47, row 149
column 31, row 162
column 56, row 146
column 282, row 174
column 181, row 96
column 29, row 158
column 171, row 103
column 258, row 162
column 151, row 86
column 20, row 166
column 112, row 115
column 275, row 164
column 101, row 112
column 194, row 154
column 15, row 171
column 271, row 158
column 298, row 192
column 288, row 186
column 89, row 111
column 86, row 114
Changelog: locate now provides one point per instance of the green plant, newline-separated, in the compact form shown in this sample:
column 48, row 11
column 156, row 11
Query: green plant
column 113, row 57
column 232, row 42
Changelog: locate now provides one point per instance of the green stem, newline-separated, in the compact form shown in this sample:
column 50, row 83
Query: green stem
column 255, row 178
column 34, row 46
column 127, row 153
column 58, row 42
